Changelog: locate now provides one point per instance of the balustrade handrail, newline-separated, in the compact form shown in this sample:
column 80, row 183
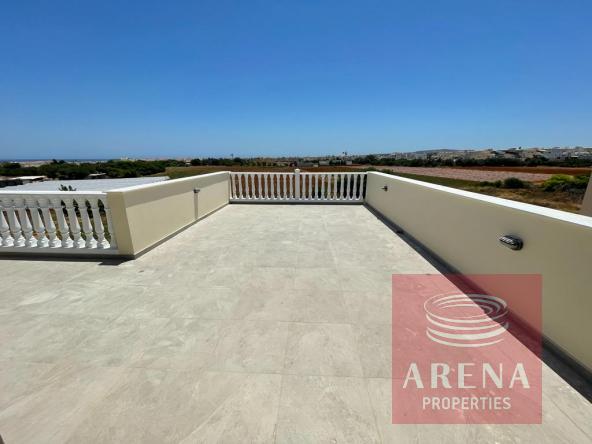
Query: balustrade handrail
column 56, row 220
column 46, row 193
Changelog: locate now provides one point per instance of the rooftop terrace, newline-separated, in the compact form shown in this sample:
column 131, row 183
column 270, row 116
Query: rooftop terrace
column 150, row 322
column 261, row 323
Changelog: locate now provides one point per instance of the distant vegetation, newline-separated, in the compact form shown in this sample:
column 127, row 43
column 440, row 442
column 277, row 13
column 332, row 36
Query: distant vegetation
column 510, row 183
column 564, row 182
column 491, row 162
column 60, row 169
column 561, row 191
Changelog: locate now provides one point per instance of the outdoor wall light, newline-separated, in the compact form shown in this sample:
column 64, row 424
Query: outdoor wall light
column 385, row 188
column 512, row 242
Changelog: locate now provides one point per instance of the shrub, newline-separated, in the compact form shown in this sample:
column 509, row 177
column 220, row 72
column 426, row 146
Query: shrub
column 496, row 184
column 513, row 182
column 564, row 182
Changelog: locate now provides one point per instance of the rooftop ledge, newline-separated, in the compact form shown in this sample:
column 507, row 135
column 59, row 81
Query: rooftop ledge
column 241, row 291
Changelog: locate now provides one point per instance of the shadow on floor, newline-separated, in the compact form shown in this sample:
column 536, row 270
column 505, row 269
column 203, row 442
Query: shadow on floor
column 573, row 373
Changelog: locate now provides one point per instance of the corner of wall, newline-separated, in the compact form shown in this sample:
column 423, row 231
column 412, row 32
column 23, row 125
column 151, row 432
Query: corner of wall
column 120, row 220
column 586, row 209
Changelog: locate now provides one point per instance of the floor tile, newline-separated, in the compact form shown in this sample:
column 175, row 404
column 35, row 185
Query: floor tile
column 375, row 346
column 322, row 349
column 181, row 344
column 251, row 346
column 315, row 409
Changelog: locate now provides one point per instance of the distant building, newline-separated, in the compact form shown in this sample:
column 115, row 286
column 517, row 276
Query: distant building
column 86, row 185
column 30, row 179
column 9, row 181
column 554, row 154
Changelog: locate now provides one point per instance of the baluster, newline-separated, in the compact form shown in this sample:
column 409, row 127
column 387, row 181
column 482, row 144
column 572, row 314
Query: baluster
column 253, row 195
column 362, row 184
column 262, row 186
column 50, row 227
column 112, row 240
column 26, row 227
column 286, row 195
column 232, row 187
column 42, row 240
column 341, row 185
column 297, row 184
column 316, row 187
column 13, row 223
column 98, row 223
column 303, row 186
column 74, row 225
column 7, row 240
column 280, row 188
column 272, row 185
column 348, row 182
column 240, row 185
column 323, row 187
column 329, row 180
column 87, row 229
column 56, row 203
column 348, row 186
column 336, row 187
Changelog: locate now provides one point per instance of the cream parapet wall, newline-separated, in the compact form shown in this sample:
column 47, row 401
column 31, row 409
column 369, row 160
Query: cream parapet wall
column 463, row 228
column 146, row 215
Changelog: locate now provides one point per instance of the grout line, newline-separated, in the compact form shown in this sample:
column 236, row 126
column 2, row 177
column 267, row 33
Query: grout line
column 277, row 417
column 365, row 382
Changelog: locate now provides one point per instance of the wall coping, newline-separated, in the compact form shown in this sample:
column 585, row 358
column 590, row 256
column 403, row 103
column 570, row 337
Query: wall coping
column 530, row 208
column 169, row 182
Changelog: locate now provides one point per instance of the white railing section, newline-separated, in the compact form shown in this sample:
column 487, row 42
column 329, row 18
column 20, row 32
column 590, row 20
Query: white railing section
column 297, row 187
column 58, row 221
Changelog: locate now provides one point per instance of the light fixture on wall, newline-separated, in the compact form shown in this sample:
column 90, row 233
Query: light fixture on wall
column 512, row 242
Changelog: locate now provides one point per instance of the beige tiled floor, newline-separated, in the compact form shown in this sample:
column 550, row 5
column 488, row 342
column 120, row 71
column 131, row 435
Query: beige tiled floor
column 258, row 324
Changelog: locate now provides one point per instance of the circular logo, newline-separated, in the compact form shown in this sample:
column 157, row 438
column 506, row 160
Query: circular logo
column 466, row 320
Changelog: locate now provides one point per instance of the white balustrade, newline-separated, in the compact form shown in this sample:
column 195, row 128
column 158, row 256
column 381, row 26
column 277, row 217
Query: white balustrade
column 297, row 187
column 55, row 221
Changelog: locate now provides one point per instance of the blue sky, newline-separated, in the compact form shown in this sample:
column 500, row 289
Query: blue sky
column 111, row 79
